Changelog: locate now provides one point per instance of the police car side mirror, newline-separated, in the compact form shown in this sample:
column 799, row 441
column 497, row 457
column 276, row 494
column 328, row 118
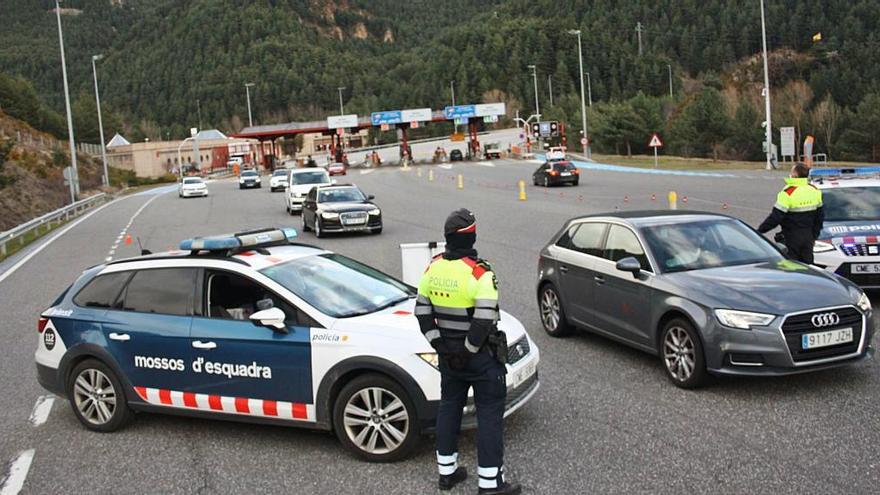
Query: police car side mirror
column 271, row 318
column 631, row 265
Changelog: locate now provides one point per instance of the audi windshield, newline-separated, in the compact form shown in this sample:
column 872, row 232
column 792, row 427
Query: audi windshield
column 338, row 286
column 349, row 194
column 698, row 245
column 851, row 204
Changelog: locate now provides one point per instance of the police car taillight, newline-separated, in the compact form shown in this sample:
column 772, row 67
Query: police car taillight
column 41, row 324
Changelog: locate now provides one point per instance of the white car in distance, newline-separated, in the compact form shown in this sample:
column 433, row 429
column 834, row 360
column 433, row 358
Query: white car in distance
column 299, row 182
column 192, row 187
column 278, row 180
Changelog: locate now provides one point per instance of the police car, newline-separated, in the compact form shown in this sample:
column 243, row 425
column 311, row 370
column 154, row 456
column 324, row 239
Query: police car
column 849, row 244
column 254, row 327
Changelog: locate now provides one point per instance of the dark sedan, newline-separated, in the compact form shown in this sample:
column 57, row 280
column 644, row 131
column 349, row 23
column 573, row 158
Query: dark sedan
column 340, row 208
column 553, row 173
column 704, row 292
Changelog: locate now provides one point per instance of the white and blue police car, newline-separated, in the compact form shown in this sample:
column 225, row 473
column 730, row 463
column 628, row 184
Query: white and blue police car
column 254, row 327
column 849, row 244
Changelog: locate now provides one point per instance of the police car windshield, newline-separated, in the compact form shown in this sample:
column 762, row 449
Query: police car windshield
column 337, row 195
column 851, row 204
column 339, row 286
column 279, row 173
column 310, row 178
column 192, row 180
column 698, row 245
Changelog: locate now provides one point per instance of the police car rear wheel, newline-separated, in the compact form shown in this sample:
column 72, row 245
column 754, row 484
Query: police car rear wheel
column 97, row 397
column 375, row 420
column 552, row 313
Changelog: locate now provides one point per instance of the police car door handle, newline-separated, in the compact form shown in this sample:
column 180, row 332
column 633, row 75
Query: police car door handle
column 599, row 279
column 563, row 269
column 198, row 344
column 122, row 337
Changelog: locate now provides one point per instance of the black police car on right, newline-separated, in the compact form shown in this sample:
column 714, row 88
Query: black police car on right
column 704, row 292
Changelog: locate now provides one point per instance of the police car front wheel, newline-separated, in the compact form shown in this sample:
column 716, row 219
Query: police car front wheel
column 97, row 397
column 375, row 419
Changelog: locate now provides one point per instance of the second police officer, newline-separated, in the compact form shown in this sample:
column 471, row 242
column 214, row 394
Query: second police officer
column 457, row 309
column 798, row 210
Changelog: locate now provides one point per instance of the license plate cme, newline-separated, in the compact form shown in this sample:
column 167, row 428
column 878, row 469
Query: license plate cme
column 865, row 268
column 826, row 339
column 523, row 374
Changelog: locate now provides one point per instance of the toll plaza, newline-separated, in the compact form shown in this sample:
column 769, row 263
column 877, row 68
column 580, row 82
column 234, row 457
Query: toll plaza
column 474, row 117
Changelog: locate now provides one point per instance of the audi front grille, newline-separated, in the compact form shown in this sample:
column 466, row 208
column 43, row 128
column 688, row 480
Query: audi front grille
column 795, row 326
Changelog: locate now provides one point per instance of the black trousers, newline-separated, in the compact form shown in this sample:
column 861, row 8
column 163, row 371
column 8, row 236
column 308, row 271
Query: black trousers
column 487, row 377
column 800, row 245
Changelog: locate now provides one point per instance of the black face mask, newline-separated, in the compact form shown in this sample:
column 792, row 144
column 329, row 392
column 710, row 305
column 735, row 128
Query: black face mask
column 460, row 246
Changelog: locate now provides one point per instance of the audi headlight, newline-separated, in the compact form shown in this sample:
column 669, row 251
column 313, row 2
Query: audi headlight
column 241, row 180
column 375, row 212
column 864, row 303
column 329, row 215
column 822, row 247
column 744, row 320
column 430, row 358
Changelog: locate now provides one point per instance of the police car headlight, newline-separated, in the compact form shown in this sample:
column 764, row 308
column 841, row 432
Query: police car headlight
column 744, row 320
column 375, row 212
column 329, row 215
column 864, row 303
column 822, row 247
column 430, row 358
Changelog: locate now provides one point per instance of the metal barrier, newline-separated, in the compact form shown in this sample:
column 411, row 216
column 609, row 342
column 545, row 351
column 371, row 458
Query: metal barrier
column 56, row 217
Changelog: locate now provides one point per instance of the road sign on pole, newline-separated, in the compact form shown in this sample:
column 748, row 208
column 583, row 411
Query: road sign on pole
column 787, row 141
column 584, row 141
column 655, row 143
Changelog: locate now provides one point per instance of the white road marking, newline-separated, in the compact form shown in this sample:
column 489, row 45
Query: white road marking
column 41, row 410
column 369, row 171
column 52, row 239
column 14, row 479
column 445, row 167
column 486, row 164
column 128, row 226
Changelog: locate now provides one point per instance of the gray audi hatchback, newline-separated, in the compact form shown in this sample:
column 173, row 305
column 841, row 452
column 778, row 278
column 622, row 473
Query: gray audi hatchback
column 704, row 292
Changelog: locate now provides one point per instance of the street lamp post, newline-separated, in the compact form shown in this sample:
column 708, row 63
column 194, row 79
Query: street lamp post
column 341, row 108
column 452, row 89
column 247, row 88
column 74, row 175
column 669, row 68
column 768, row 124
column 95, row 58
column 586, row 146
column 589, row 91
column 535, row 77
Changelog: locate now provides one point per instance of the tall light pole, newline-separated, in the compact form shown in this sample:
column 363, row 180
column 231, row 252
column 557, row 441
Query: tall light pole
column 341, row 109
column 247, row 88
column 768, row 124
column 589, row 91
column 95, row 58
column 550, row 85
column 535, row 77
column 669, row 68
column 452, row 89
column 583, row 101
column 74, row 175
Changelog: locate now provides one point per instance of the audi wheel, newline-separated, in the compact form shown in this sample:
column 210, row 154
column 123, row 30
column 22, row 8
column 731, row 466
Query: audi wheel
column 552, row 314
column 682, row 354
column 97, row 397
column 375, row 419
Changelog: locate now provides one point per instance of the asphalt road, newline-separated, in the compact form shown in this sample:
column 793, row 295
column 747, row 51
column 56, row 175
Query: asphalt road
column 606, row 419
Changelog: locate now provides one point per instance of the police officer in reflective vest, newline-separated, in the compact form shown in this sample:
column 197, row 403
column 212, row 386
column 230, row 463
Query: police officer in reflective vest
column 798, row 210
column 457, row 309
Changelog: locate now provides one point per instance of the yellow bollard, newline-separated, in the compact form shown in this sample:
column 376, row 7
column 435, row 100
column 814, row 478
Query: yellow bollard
column 673, row 200
column 522, row 190
column 431, row 174
column 460, row 181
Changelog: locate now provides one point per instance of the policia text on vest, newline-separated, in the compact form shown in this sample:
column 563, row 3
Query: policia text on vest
column 798, row 210
column 457, row 309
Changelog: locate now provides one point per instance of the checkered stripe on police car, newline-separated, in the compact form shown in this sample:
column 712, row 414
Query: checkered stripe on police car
column 871, row 239
column 231, row 405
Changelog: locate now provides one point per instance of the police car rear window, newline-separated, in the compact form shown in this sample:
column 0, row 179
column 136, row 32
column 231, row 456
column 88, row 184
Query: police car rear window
column 166, row 291
column 102, row 291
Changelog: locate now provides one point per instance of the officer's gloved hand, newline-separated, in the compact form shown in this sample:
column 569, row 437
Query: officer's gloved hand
column 459, row 360
column 439, row 346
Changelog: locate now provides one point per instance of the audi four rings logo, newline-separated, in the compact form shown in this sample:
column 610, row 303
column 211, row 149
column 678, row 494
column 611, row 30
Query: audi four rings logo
column 825, row 320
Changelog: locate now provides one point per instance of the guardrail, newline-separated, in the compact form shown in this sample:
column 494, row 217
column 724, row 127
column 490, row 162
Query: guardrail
column 56, row 217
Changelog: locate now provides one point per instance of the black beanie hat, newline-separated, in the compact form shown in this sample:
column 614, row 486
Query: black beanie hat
column 460, row 222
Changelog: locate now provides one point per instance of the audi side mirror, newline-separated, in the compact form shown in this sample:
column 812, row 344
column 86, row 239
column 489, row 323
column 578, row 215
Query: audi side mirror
column 271, row 318
column 371, row 197
column 631, row 265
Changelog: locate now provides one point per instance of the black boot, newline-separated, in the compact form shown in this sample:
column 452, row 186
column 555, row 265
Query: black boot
column 448, row 481
column 503, row 488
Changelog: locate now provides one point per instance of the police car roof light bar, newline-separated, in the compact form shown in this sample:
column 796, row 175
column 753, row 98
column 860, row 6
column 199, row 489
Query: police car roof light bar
column 242, row 241
column 845, row 173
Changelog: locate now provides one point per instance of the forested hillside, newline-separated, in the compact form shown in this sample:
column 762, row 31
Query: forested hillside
column 164, row 56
